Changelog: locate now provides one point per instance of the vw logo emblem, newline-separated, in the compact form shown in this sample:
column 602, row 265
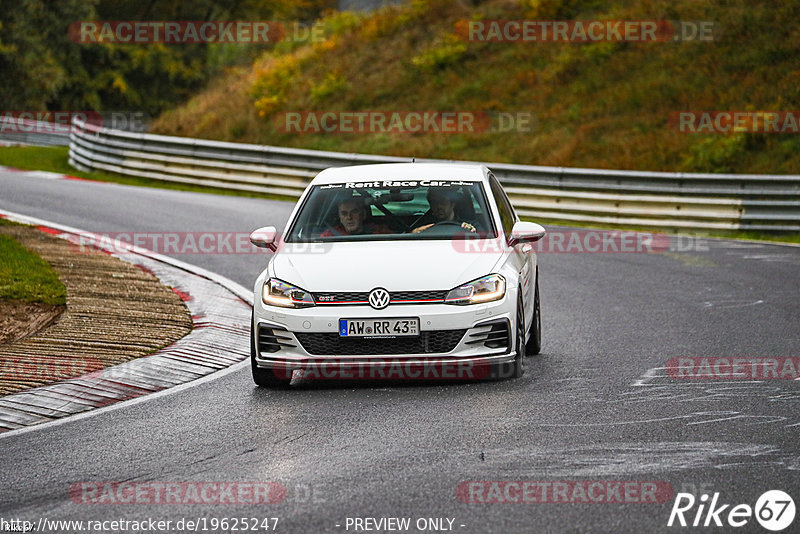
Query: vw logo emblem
column 379, row 298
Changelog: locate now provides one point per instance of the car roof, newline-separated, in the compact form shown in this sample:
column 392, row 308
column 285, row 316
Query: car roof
column 402, row 171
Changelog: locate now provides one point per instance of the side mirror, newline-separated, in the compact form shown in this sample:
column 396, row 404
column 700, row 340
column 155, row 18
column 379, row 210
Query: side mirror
column 525, row 232
column 265, row 237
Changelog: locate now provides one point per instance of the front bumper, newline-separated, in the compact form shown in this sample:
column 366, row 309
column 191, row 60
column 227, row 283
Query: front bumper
column 462, row 336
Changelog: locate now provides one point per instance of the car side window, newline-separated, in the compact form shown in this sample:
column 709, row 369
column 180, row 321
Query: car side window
column 507, row 215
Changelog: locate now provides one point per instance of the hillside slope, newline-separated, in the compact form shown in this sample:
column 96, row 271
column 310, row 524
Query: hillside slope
column 602, row 104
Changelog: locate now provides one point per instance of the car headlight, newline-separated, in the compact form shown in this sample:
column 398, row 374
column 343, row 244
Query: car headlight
column 486, row 289
column 278, row 293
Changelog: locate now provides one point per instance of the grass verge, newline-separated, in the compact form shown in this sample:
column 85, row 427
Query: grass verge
column 27, row 277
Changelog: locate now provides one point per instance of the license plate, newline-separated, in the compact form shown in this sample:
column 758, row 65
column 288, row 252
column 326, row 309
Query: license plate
column 390, row 327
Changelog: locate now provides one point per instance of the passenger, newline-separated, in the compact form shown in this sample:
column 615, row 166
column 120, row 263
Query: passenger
column 352, row 216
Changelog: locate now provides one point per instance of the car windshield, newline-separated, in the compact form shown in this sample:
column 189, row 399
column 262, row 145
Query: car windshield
column 391, row 210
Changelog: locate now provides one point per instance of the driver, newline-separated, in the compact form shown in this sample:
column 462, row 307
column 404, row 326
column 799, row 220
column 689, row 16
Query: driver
column 352, row 215
column 443, row 209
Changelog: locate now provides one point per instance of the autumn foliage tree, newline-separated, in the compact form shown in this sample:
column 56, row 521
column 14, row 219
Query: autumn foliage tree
column 43, row 69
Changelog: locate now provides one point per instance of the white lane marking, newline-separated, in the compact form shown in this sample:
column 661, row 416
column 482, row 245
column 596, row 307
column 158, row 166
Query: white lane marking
column 727, row 242
column 733, row 303
column 45, row 175
column 772, row 258
column 736, row 244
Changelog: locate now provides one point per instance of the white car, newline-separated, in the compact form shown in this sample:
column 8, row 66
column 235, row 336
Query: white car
column 407, row 270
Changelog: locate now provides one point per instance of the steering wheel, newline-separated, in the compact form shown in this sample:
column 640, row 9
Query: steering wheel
column 445, row 223
column 416, row 221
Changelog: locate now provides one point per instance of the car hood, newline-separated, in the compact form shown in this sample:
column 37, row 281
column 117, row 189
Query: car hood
column 396, row 266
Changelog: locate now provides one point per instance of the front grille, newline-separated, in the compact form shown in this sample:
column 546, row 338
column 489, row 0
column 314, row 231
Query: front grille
column 493, row 335
column 418, row 295
column 273, row 339
column 341, row 298
column 397, row 297
column 330, row 344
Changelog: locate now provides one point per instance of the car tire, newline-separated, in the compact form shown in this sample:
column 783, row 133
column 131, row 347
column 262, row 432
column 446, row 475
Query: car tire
column 534, row 344
column 263, row 377
column 516, row 368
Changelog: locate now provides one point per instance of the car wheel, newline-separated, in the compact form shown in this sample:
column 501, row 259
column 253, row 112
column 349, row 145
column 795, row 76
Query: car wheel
column 263, row 377
column 519, row 360
column 516, row 368
column 534, row 345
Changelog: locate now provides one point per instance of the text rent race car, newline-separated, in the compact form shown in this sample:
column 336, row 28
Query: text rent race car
column 398, row 271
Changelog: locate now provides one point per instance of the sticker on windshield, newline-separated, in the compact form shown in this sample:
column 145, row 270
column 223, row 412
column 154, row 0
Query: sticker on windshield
column 405, row 183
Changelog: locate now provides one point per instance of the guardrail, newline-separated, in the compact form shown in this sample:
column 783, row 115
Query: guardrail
column 597, row 196
column 31, row 132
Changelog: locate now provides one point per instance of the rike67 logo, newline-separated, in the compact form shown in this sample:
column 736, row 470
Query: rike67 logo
column 774, row 510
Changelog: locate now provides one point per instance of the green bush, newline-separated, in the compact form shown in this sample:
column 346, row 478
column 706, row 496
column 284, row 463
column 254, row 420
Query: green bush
column 716, row 153
column 443, row 52
column 332, row 84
